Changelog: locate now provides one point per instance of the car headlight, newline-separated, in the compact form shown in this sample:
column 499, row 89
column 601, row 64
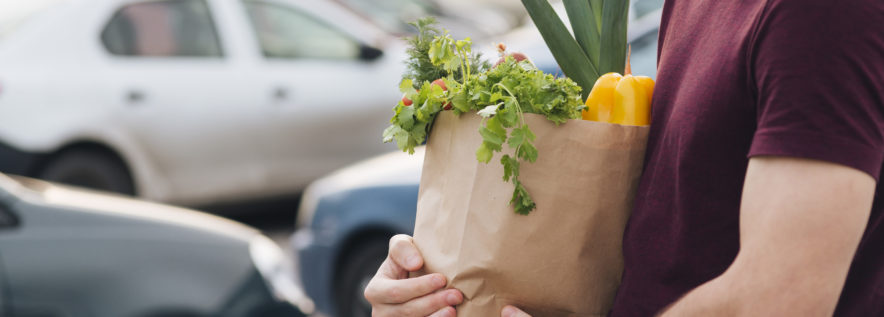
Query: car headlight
column 276, row 269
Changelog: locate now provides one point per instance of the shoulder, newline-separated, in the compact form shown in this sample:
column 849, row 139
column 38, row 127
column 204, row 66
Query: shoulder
column 824, row 21
column 828, row 8
column 811, row 4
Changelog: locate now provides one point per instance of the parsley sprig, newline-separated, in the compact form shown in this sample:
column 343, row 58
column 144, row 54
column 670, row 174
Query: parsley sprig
column 501, row 95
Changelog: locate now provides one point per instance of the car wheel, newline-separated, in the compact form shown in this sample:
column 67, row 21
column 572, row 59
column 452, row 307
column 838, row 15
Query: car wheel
column 90, row 169
column 356, row 270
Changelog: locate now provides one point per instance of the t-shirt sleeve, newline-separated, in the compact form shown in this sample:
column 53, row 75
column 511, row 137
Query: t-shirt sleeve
column 818, row 71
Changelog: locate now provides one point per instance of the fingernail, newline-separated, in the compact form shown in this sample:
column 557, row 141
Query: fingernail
column 438, row 281
column 448, row 313
column 413, row 261
column 452, row 299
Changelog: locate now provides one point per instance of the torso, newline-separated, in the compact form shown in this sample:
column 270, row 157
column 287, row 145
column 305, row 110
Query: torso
column 684, row 227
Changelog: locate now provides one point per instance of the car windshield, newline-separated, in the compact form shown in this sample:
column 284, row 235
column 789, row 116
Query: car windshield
column 14, row 12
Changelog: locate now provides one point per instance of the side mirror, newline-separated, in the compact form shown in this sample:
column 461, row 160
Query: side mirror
column 369, row 53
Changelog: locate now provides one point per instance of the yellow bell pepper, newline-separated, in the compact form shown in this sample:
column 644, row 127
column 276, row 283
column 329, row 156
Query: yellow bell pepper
column 632, row 105
column 601, row 100
column 648, row 83
column 620, row 99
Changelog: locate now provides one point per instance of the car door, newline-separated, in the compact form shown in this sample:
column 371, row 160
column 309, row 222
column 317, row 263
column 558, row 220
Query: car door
column 8, row 221
column 187, row 98
column 331, row 93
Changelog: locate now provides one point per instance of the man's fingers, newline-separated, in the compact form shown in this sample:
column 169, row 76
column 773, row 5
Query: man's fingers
column 389, row 291
column 405, row 253
column 510, row 311
column 391, row 270
column 423, row 306
column 445, row 312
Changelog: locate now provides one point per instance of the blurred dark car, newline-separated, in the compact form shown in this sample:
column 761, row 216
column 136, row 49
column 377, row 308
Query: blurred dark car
column 346, row 219
column 344, row 222
column 66, row 252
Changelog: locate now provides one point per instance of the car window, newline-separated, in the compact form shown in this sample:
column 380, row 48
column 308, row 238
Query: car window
column 15, row 12
column 284, row 32
column 165, row 28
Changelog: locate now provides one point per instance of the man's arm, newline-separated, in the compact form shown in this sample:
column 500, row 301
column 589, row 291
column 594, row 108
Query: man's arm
column 800, row 223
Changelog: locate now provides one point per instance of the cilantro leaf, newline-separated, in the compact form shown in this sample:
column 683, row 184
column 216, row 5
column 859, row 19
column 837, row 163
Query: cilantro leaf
column 406, row 118
column 494, row 125
column 521, row 201
column 493, row 146
column 436, row 53
column 528, row 134
column 420, row 114
column 510, row 113
column 527, row 152
column 491, row 137
column 403, row 141
column 495, row 97
column 484, row 153
column 407, row 87
column 488, row 111
column 517, row 138
column 389, row 132
column 510, row 167
column 419, row 134
column 436, row 91
column 460, row 102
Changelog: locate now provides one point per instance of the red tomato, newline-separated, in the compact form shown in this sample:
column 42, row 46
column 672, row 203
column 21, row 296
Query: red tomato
column 441, row 83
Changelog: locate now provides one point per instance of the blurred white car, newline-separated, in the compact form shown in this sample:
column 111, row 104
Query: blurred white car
column 191, row 101
column 479, row 19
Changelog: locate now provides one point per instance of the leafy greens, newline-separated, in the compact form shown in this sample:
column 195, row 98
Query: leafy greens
column 419, row 68
column 501, row 95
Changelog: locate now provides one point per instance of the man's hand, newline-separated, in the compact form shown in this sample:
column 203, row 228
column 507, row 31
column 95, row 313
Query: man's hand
column 510, row 311
column 800, row 224
column 392, row 293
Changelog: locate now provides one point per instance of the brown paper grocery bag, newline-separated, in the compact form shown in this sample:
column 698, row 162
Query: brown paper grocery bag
column 563, row 259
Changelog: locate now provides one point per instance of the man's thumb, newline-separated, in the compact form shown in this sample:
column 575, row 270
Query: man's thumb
column 510, row 311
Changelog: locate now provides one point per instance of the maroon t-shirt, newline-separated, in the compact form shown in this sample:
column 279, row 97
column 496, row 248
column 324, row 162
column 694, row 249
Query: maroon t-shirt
column 744, row 78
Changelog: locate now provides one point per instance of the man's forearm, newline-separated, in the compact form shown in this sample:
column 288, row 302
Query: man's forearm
column 713, row 298
column 745, row 291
